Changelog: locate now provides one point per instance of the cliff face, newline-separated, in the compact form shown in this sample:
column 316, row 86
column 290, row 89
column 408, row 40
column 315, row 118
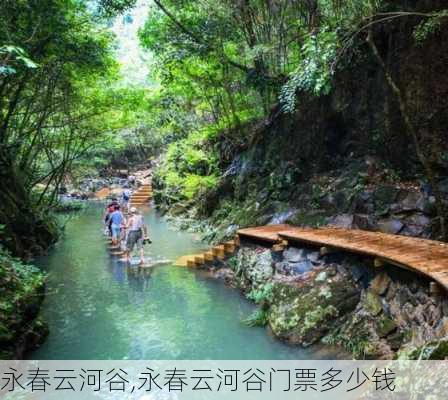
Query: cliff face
column 361, row 116
column 349, row 152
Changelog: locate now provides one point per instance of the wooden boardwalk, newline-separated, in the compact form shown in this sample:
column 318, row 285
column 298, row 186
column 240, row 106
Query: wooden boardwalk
column 427, row 257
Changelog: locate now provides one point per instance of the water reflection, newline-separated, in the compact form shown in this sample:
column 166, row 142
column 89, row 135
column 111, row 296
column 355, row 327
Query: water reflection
column 101, row 308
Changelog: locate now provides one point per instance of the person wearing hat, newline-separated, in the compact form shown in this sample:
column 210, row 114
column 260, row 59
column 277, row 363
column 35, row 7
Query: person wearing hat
column 136, row 231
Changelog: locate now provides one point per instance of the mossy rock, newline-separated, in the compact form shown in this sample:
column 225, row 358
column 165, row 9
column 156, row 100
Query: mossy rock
column 385, row 326
column 436, row 350
column 372, row 303
column 303, row 314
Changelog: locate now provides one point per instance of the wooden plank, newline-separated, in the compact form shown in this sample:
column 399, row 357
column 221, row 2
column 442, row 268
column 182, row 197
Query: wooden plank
column 420, row 255
column 268, row 233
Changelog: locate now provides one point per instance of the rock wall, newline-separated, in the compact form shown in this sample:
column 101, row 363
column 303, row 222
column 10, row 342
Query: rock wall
column 339, row 299
column 348, row 154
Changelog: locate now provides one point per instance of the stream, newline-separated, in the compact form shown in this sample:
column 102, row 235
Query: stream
column 98, row 308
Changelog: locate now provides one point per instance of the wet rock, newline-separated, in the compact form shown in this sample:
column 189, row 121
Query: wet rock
column 372, row 303
column 445, row 307
column 255, row 266
column 293, row 254
column 432, row 314
column 300, row 267
column 395, row 340
column 337, row 201
column 384, row 196
column 380, row 283
column 391, row 225
column 282, row 217
column 313, row 257
column 225, row 274
column 385, row 326
column 303, row 313
column 413, row 287
column 407, row 312
column 403, row 295
column 421, row 297
column 364, row 221
column 342, row 221
column 363, row 203
column 412, row 201
column 391, row 292
column 357, row 272
column 416, row 225
column 441, row 330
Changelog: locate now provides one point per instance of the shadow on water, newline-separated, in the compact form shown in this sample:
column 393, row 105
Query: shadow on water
column 99, row 308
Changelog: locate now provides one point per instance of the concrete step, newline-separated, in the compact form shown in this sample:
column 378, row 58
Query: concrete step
column 219, row 251
column 230, row 247
column 191, row 263
column 199, row 259
column 209, row 256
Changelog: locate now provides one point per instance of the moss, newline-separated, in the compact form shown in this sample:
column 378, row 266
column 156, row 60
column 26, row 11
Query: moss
column 436, row 350
column 308, row 218
column 372, row 303
column 261, row 293
column 304, row 314
column 385, row 326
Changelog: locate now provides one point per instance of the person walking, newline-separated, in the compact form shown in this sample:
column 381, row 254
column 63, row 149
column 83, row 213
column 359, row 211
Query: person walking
column 136, row 231
column 125, row 197
column 116, row 221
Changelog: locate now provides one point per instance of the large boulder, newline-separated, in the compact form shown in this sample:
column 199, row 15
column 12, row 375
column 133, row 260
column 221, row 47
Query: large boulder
column 254, row 266
column 301, row 312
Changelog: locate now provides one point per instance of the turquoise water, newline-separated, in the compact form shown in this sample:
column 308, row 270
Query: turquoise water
column 97, row 308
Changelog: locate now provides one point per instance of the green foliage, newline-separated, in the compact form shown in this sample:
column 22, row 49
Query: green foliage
column 429, row 26
column 258, row 318
column 12, row 55
column 313, row 74
column 262, row 293
column 189, row 168
column 16, row 276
